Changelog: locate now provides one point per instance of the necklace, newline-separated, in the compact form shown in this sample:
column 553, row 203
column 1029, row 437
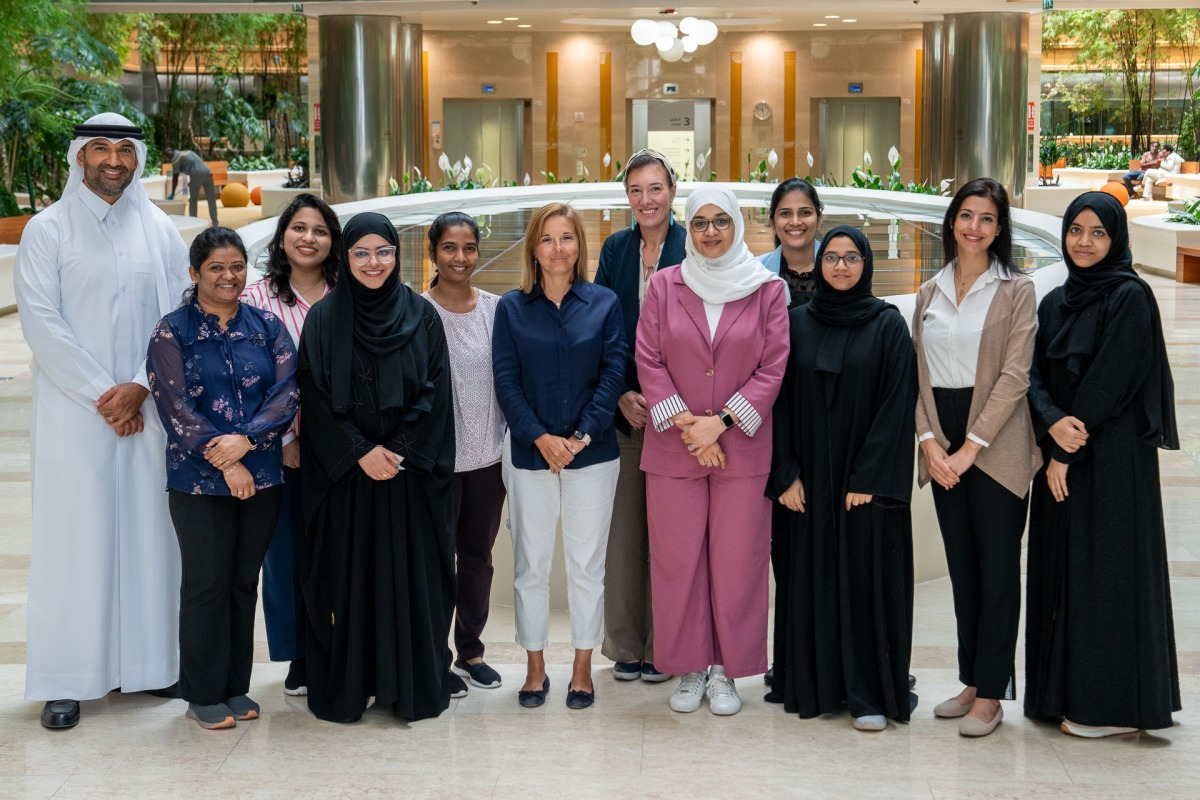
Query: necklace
column 307, row 289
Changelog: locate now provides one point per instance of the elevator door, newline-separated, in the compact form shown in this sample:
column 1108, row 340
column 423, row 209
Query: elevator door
column 852, row 126
column 490, row 132
column 679, row 129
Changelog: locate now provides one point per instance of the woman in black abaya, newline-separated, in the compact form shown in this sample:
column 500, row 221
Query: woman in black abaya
column 844, row 451
column 377, row 461
column 1099, row 637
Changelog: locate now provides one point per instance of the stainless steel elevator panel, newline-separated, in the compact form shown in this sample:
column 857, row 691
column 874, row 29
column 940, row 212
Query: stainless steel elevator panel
column 370, row 104
column 490, row 132
column 853, row 126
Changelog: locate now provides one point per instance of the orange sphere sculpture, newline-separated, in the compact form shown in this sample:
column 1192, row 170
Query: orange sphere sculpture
column 1117, row 190
column 256, row 195
column 235, row 195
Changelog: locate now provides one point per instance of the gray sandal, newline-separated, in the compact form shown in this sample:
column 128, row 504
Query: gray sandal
column 212, row 717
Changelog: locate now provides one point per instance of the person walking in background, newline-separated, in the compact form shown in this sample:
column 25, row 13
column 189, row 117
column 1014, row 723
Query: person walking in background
column 301, row 269
column 628, row 259
column 185, row 162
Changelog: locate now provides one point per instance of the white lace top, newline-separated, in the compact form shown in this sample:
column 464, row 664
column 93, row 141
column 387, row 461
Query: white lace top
column 478, row 421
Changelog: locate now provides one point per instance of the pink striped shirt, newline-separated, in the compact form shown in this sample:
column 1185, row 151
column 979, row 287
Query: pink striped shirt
column 259, row 295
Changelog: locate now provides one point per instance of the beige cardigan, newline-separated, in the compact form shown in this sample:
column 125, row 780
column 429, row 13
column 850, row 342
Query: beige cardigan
column 999, row 412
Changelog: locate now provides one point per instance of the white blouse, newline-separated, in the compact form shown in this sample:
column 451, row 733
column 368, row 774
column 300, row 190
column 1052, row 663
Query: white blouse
column 952, row 331
column 478, row 421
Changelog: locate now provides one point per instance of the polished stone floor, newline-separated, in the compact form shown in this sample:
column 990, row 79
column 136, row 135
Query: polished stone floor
column 630, row 744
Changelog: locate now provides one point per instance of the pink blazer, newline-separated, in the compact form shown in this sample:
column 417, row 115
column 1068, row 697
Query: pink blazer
column 679, row 367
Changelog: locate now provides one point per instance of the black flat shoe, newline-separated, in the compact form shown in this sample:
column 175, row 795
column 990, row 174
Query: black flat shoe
column 769, row 677
column 912, row 682
column 578, row 698
column 775, row 695
column 536, row 697
column 59, row 715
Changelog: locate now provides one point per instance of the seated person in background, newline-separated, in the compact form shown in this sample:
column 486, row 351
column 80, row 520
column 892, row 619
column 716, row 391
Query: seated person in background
column 1172, row 163
column 1150, row 160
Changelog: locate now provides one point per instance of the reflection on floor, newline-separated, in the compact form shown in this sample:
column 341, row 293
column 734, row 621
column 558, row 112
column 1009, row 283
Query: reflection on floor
column 630, row 744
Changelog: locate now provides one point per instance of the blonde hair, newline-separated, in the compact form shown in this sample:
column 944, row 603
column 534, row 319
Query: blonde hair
column 531, row 273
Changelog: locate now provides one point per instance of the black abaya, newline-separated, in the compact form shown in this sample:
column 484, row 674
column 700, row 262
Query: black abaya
column 849, row 603
column 1099, row 638
column 380, row 581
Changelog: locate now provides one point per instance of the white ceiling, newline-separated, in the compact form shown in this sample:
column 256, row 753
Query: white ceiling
column 552, row 15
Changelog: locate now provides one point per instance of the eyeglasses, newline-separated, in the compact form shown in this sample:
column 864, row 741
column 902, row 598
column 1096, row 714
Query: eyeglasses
column 361, row 255
column 720, row 223
column 851, row 259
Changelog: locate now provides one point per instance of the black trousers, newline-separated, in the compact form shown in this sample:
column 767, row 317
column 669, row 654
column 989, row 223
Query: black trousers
column 222, row 542
column 478, row 499
column 982, row 524
column 781, row 560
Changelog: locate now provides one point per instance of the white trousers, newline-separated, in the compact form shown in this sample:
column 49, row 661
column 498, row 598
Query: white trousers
column 1149, row 179
column 537, row 499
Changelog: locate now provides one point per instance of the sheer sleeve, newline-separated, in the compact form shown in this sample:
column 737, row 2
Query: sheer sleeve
column 173, row 397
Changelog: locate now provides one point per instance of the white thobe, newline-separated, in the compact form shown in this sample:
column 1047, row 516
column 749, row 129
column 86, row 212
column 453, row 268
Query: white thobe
column 104, row 574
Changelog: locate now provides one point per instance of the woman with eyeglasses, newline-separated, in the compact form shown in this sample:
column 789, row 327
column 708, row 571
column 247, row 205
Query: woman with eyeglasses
column 377, row 460
column 973, row 329
column 710, row 361
column 844, row 463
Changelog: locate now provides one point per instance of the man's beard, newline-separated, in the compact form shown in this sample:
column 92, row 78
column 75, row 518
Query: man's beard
column 96, row 181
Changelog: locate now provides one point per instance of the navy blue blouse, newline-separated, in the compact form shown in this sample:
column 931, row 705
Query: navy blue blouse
column 208, row 382
column 559, row 370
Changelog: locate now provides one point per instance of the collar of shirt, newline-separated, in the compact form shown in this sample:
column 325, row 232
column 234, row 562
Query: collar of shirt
column 208, row 326
column 97, row 204
column 945, row 280
column 575, row 291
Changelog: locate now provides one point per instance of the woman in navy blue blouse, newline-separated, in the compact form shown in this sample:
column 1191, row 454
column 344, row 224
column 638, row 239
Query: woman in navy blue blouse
column 558, row 355
column 222, row 374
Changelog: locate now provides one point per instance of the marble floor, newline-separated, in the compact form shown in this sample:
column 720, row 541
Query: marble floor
column 630, row 744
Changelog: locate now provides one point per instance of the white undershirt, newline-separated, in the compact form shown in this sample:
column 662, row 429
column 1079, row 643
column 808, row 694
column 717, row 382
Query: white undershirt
column 952, row 331
column 713, row 312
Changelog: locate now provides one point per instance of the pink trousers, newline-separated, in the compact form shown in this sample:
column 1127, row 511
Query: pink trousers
column 710, row 546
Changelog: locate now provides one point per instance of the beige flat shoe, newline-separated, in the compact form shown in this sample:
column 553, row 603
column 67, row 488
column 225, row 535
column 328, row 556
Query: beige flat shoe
column 975, row 727
column 951, row 709
column 1093, row 731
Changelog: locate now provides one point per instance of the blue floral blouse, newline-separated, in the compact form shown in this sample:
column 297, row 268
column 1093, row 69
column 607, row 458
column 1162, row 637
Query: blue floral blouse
column 207, row 382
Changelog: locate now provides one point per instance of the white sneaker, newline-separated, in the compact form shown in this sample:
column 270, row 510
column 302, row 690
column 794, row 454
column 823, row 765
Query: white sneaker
column 871, row 722
column 723, row 698
column 689, row 693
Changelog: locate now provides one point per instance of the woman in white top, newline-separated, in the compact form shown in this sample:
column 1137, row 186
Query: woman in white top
column 467, row 314
column 301, row 269
column 973, row 329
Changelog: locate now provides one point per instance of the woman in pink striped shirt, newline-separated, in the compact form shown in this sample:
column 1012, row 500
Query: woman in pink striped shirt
column 301, row 269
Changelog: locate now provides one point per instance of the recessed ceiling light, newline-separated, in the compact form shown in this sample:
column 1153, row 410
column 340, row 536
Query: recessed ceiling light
column 511, row 19
column 494, row 21
column 820, row 25
column 833, row 16
column 849, row 20
column 524, row 26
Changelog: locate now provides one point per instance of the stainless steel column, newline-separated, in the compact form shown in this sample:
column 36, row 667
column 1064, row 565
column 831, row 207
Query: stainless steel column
column 932, row 61
column 984, row 88
column 371, row 102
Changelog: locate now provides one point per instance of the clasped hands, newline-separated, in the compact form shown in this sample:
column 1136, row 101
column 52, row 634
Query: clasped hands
column 558, row 451
column 381, row 464
column 225, row 453
column 700, row 435
column 120, row 407
column 947, row 468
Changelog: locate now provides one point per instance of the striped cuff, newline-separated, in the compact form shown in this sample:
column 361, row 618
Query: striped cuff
column 748, row 418
column 977, row 440
column 662, row 412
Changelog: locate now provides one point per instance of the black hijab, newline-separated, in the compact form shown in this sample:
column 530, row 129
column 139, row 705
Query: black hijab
column 1079, row 336
column 842, row 310
column 384, row 322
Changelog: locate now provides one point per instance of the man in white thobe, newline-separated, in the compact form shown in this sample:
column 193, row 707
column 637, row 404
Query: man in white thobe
column 94, row 274
column 1171, row 164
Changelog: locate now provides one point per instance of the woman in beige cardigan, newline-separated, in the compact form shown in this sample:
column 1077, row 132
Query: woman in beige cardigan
column 973, row 329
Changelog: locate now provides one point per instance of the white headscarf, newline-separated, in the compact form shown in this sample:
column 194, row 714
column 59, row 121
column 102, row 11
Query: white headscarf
column 160, row 232
column 732, row 276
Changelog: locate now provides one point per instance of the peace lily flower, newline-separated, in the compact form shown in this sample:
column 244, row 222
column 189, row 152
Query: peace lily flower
column 772, row 158
column 866, row 158
column 607, row 160
column 810, row 159
column 444, row 162
column 466, row 165
column 527, row 179
column 893, row 156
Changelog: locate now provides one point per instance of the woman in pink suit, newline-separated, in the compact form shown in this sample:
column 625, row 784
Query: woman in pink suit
column 710, row 361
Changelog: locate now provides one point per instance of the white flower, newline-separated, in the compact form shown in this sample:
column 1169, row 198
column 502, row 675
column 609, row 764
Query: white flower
column 772, row 158
column 810, row 160
column 607, row 160
column 527, row 179
column 866, row 158
column 893, row 156
column 444, row 162
column 701, row 161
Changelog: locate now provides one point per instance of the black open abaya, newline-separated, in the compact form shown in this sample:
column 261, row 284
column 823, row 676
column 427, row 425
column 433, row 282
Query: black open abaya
column 379, row 582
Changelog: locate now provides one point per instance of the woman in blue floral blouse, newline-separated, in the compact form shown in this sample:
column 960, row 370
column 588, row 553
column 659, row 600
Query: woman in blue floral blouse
column 222, row 374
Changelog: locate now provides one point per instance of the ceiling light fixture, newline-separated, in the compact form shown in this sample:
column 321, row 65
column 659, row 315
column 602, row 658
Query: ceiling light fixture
column 525, row 25
column 495, row 22
column 511, row 19
column 849, row 20
column 820, row 25
column 674, row 42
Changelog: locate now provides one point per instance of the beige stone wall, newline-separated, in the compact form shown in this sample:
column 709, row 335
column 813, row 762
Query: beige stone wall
column 884, row 61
